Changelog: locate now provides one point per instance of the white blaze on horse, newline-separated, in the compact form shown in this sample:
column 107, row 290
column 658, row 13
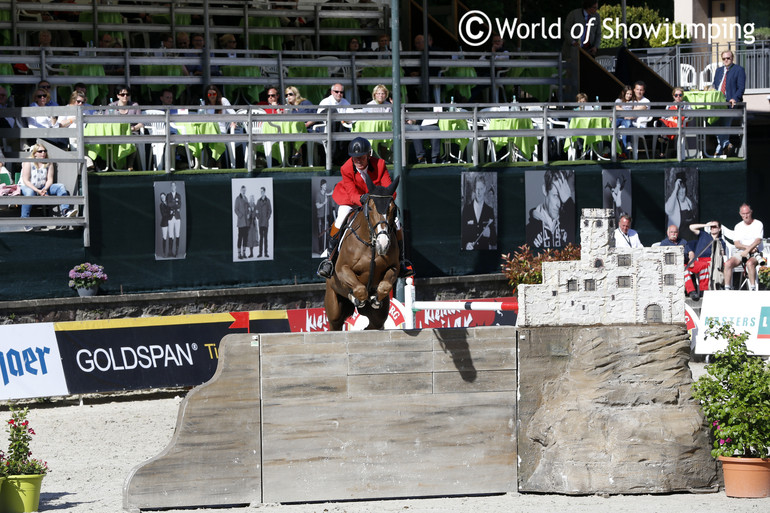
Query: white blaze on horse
column 368, row 261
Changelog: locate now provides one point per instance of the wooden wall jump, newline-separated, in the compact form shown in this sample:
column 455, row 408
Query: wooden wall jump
column 335, row 416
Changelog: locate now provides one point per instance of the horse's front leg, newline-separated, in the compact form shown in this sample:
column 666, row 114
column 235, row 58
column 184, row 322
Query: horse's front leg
column 386, row 285
column 349, row 280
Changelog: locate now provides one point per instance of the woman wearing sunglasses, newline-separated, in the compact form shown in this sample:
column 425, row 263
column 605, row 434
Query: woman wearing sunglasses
column 37, row 180
column 673, row 122
column 123, row 104
column 292, row 97
column 77, row 99
column 42, row 97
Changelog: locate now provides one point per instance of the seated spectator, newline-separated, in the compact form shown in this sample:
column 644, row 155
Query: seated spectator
column 747, row 237
column 199, row 43
column 418, row 144
column 354, row 44
column 123, row 103
column 336, row 98
column 42, row 97
column 383, row 46
column 215, row 99
column 106, row 41
column 705, row 254
column 625, row 101
column 229, row 43
column 5, row 175
column 37, row 180
column 380, row 101
column 672, row 121
column 625, row 237
column 182, row 40
column 76, row 100
column 272, row 101
column 581, row 98
column 292, row 97
column 640, row 102
column 46, row 86
column 81, row 88
column 166, row 98
column 673, row 239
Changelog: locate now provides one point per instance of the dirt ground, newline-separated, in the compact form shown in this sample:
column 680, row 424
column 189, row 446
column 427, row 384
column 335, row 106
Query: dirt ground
column 92, row 447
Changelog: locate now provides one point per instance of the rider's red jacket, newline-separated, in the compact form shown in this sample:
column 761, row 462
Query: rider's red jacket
column 349, row 190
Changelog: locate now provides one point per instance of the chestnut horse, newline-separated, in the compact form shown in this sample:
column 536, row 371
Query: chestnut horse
column 368, row 261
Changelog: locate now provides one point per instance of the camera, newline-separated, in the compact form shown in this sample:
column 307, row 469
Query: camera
column 761, row 260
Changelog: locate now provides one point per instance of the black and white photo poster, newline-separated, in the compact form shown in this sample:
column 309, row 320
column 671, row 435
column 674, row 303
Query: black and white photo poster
column 324, row 211
column 170, row 220
column 681, row 190
column 550, row 204
column 616, row 191
column 479, row 214
column 252, row 208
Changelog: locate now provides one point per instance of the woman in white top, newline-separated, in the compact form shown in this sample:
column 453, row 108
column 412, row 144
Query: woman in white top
column 380, row 101
column 214, row 99
column 77, row 99
column 37, row 180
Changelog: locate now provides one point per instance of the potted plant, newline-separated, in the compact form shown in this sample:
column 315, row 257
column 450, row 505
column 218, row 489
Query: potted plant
column 735, row 398
column 21, row 491
column 86, row 278
column 764, row 277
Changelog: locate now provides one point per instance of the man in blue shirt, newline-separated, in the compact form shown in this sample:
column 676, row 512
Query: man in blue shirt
column 673, row 239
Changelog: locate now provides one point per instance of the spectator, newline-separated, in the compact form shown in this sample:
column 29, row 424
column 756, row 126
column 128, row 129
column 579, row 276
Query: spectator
column 419, row 148
column 496, row 53
column 106, row 41
column 582, row 29
column 123, row 103
column 5, row 121
column 166, row 99
column 383, row 46
column 199, row 43
column 673, row 239
column 581, row 98
column 747, row 237
column 625, row 101
column 46, row 86
column 182, row 40
column 272, row 101
column 354, row 44
column 639, row 104
column 703, row 257
column 673, row 121
column 419, row 92
column 625, row 237
column 730, row 79
column 37, row 180
column 42, row 98
column 229, row 43
column 336, row 98
column 76, row 100
column 81, row 88
column 380, row 101
column 292, row 97
column 215, row 99
column 5, row 175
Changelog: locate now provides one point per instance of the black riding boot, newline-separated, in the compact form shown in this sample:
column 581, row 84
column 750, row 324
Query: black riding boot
column 326, row 268
column 406, row 269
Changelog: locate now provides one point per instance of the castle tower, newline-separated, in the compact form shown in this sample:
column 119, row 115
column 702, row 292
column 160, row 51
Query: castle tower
column 597, row 233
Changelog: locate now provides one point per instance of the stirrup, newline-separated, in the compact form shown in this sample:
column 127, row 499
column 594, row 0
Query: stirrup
column 406, row 270
column 325, row 269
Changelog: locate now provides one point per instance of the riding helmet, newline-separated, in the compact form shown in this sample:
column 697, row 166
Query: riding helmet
column 359, row 147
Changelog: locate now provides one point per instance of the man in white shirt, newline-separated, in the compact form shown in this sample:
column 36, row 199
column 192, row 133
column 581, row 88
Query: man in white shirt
column 747, row 237
column 337, row 97
column 639, row 100
column 625, row 237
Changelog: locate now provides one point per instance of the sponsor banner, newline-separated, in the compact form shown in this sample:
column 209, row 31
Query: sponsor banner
column 152, row 352
column 746, row 310
column 30, row 365
column 314, row 319
column 465, row 318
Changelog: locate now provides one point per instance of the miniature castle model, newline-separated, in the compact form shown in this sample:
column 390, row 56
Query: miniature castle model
column 608, row 285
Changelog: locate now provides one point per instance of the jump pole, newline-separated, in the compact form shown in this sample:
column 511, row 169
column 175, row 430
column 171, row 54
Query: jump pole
column 413, row 306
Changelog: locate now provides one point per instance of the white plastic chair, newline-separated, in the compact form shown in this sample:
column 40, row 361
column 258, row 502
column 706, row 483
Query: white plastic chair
column 158, row 149
column 256, row 129
column 687, row 77
column 707, row 76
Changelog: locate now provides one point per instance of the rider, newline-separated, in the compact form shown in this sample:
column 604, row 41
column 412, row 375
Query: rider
column 347, row 194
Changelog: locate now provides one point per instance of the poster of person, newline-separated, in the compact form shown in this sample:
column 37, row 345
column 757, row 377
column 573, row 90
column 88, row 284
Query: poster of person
column 170, row 220
column 324, row 211
column 252, row 219
column 479, row 214
column 616, row 191
column 681, row 193
column 550, row 204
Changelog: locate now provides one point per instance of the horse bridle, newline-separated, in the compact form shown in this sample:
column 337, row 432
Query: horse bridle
column 381, row 227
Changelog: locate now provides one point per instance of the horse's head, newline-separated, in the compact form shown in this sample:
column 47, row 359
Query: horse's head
column 380, row 211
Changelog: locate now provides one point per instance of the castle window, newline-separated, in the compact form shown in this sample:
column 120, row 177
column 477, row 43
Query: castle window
column 669, row 279
column 598, row 223
column 624, row 260
column 572, row 286
column 589, row 285
column 598, row 263
column 624, row 282
column 670, row 259
column 653, row 313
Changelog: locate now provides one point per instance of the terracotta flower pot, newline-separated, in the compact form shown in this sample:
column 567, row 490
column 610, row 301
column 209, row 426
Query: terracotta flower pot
column 746, row 477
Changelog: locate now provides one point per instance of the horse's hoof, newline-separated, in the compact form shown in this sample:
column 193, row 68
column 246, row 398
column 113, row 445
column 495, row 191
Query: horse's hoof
column 375, row 304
